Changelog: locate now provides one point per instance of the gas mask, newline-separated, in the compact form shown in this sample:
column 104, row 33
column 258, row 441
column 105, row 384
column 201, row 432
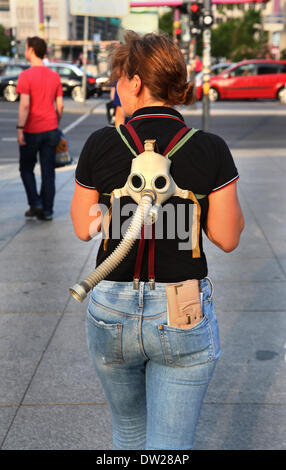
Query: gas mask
column 149, row 184
column 150, row 174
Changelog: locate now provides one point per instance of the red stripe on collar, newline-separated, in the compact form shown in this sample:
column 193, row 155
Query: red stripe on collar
column 158, row 116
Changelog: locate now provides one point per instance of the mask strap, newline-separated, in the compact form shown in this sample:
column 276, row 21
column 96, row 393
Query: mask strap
column 139, row 258
column 181, row 142
column 135, row 137
column 126, row 141
column 107, row 216
column 145, row 233
column 195, row 226
column 175, row 139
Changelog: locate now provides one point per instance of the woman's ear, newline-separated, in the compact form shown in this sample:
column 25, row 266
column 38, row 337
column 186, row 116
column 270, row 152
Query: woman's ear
column 137, row 84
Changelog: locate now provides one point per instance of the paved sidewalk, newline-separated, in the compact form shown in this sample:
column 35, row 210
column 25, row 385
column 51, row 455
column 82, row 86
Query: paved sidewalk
column 50, row 397
column 88, row 106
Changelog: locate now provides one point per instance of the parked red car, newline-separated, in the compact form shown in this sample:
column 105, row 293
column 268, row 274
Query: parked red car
column 249, row 79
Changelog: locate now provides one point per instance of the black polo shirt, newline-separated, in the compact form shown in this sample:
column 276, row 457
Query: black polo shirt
column 202, row 165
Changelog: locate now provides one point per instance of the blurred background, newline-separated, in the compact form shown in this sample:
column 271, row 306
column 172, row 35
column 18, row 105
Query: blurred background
column 240, row 30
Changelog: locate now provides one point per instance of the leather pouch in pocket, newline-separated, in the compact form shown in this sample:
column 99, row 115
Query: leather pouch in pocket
column 184, row 304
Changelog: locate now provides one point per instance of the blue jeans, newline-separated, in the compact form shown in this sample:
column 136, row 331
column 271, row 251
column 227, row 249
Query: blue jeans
column 154, row 376
column 45, row 143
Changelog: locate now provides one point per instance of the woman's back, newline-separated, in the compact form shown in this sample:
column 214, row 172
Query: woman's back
column 202, row 165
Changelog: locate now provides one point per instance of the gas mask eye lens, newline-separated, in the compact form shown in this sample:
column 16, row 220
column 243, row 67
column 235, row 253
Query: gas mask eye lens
column 136, row 182
column 160, row 183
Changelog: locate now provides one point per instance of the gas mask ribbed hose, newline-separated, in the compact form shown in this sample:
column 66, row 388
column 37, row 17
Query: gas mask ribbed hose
column 79, row 291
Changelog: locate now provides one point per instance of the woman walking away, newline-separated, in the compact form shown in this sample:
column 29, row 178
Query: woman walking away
column 154, row 374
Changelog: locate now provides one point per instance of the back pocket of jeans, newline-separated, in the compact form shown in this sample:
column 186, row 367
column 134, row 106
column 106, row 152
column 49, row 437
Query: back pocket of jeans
column 185, row 348
column 104, row 340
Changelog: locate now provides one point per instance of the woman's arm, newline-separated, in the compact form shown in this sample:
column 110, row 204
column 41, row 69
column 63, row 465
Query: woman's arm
column 225, row 220
column 85, row 212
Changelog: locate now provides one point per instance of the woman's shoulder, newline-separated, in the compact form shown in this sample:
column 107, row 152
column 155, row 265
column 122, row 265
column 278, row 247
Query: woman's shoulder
column 209, row 146
column 107, row 132
column 208, row 138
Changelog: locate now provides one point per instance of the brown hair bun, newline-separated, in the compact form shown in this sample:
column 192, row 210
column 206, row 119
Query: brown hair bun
column 158, row 62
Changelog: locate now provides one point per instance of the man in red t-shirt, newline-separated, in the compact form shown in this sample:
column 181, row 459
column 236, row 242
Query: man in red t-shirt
column 40, row 110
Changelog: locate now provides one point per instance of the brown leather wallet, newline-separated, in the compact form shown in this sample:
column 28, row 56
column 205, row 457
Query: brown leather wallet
column 184, row 304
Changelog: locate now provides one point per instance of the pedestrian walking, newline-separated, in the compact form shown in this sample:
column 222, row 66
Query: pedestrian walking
column 39, row 114
column 119, row 117
column 155, row 375
column 198, row 64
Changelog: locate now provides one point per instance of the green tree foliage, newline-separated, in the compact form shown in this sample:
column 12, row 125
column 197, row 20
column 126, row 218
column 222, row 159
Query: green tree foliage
column 166, row 23
column 239, row 39
column 4, row 41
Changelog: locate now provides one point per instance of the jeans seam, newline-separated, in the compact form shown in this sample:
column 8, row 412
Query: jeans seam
column 140, row 341
column 154, row 317
column 212, row 356
column 162, row 337
column 210, row 359
column 108, row 309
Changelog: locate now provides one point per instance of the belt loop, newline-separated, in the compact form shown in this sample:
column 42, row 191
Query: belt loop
column 141, row 294
column 212, row 288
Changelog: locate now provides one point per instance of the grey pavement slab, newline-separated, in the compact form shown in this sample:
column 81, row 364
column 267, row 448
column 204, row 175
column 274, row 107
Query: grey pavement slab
column 252, row 245
column 42, row 265
column 257, row 170
column 281, row 162
column 6, row 417
column 250, row 295
column 88, row 106
column 72, row 427
column 34, row 297
column 251, row 269
column 241, row 427
column 65, row 374
column 23, row 339
column 251, row 368
column 282, row 260
column 9, row 230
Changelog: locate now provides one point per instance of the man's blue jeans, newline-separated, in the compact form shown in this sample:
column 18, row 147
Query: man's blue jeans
column 154, row 376
column 45, row 143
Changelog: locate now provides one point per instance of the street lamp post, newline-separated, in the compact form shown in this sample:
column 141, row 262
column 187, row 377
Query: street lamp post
column 70, row 38
column 48, row 19
column 207, row 22
column 194, row 8
column 85, row 38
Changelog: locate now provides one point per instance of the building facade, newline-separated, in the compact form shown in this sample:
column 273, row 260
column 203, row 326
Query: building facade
column 274, row 22
column 5, row 13
column 51, row 19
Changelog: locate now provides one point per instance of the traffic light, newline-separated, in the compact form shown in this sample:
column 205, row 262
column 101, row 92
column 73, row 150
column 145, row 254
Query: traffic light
column 177, row 30
column 195, row 10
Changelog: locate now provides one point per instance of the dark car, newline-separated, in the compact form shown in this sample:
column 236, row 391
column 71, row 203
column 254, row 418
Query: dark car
column 250, row 79
column 71, row 79
column 11, row 69
column 8, row 80
column 104, row 82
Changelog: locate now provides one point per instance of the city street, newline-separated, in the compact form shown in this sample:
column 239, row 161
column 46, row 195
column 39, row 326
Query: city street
column 50, row 397
column 251, row 125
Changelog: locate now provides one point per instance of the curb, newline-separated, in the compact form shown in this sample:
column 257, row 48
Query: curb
column 84, row 109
